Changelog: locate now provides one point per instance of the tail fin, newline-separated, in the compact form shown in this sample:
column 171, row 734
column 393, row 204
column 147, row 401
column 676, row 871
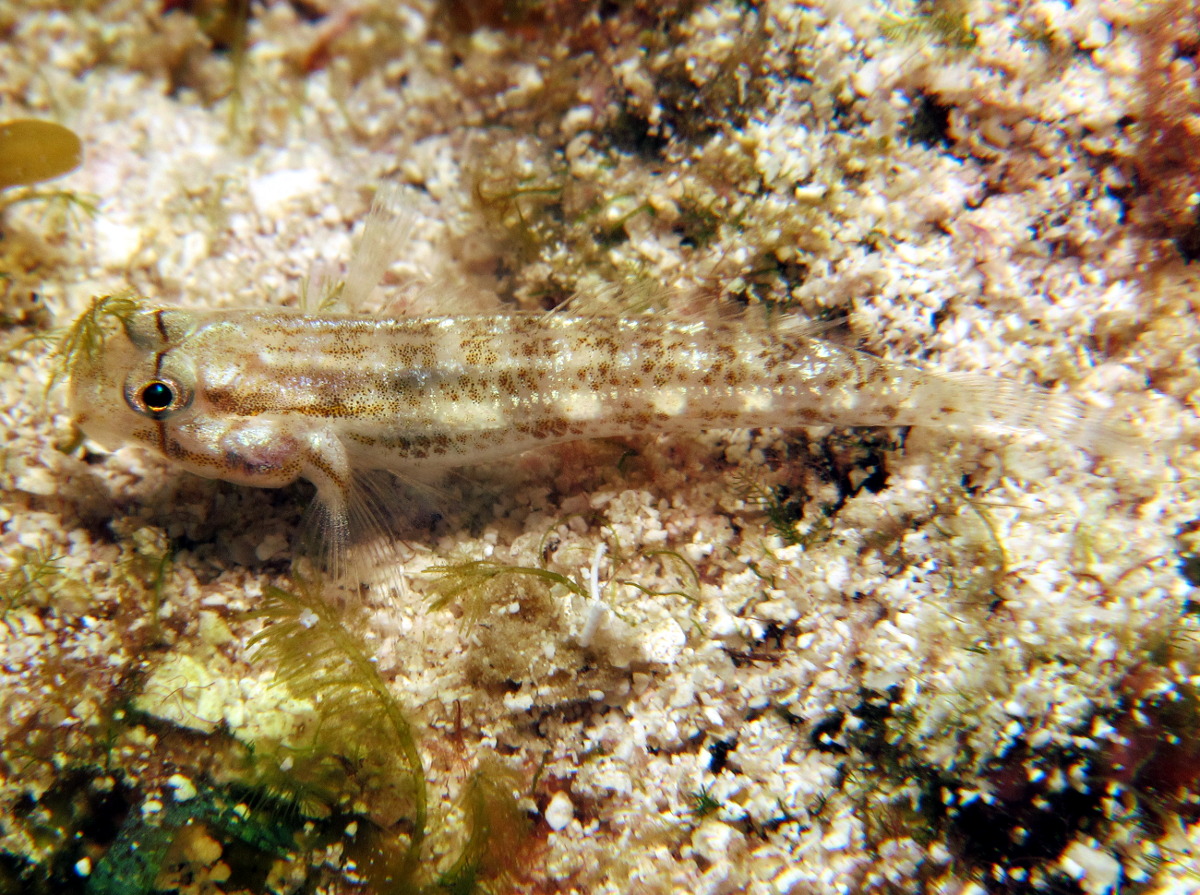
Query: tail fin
column 1056, row 415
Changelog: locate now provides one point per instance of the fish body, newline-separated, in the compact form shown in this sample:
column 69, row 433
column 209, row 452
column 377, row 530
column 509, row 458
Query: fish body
column 266, row 397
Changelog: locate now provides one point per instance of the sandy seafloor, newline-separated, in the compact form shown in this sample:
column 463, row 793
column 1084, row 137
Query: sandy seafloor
column 911, row 660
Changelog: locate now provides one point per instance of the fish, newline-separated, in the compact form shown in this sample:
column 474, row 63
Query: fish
column 266, row 397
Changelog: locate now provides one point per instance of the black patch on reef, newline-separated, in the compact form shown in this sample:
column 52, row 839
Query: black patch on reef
column 826, row 734
column 876, row 479
column 80, row 819
column 633, row 134
column 719, row 755
column 1187, row 243
column 930, row 124
column 1026, row 823
column 847, row 455
column 1189, row 568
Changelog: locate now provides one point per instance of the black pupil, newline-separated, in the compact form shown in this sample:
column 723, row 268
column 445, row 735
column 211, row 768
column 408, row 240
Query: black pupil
column 157, row 396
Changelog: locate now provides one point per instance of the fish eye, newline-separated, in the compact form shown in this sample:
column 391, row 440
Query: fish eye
column 157, row 398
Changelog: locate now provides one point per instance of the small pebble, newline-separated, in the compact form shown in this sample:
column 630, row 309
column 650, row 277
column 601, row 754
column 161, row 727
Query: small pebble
column 559, row 812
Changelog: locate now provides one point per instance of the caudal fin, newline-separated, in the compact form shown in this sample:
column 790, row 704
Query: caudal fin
column 1055, row 415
